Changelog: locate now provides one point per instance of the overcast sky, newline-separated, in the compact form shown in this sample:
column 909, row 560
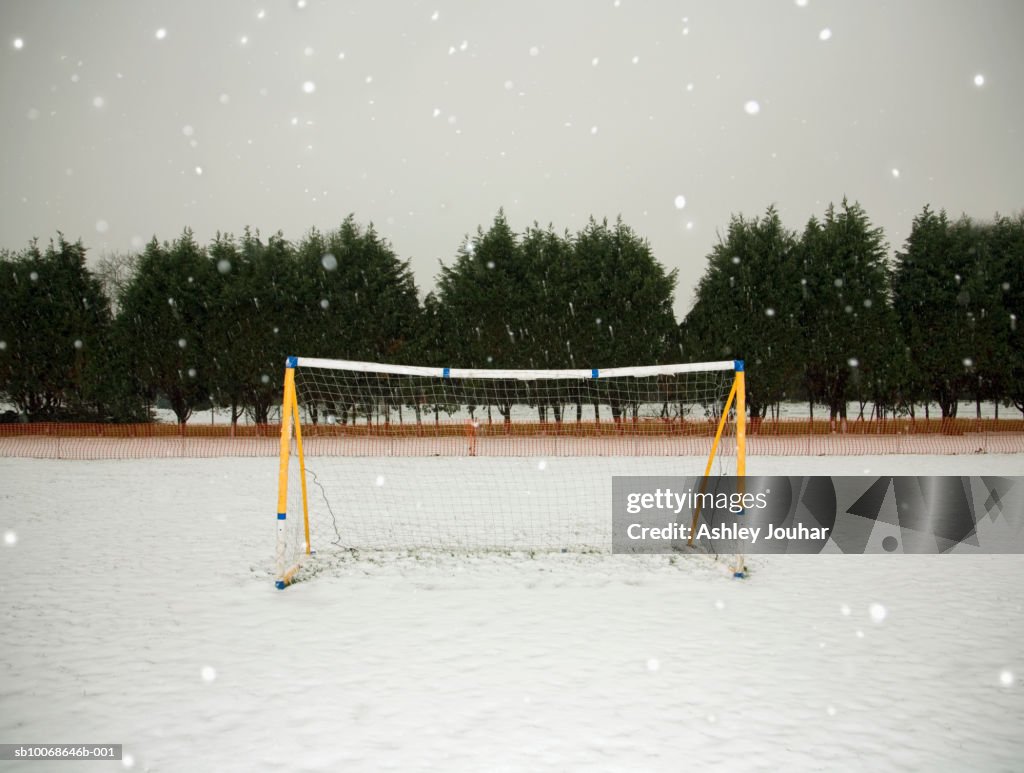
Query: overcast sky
column 126, row 119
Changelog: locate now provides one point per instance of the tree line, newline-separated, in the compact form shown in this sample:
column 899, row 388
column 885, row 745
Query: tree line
column 822, row 316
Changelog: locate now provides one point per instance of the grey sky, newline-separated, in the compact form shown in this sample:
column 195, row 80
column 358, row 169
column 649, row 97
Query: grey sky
column 122, row 120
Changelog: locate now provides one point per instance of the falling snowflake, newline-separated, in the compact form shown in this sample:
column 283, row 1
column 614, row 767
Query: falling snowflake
column 752, row 107
column 895, row 172
column 102, row 226
column 979, row 80
column 209, row 673
column 825, row 34
column 853, row 362
column 534, row 50
column 308, row 87
column 653, row 664
column 769, row 312
column 10, row 538
column 98, row 102
column 680, row 201
column 224, row 266
column 18, row 44
column 380, row 480
column 329, row 262
column 1005, row 676
column 182, row 343
column 199, row 171
column 878, row 612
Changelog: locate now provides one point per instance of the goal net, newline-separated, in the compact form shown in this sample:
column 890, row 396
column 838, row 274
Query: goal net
column 399, row 458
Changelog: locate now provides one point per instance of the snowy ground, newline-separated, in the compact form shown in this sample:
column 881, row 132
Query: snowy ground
column 137, row 608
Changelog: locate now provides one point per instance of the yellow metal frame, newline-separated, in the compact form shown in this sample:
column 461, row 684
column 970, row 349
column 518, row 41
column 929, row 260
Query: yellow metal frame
column 289, row 421
column 738, row 395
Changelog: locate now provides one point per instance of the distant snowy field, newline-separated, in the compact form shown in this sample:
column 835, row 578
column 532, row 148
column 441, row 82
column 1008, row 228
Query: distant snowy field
column 138, row 608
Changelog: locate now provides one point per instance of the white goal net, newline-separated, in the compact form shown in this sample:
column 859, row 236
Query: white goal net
column 397, row 458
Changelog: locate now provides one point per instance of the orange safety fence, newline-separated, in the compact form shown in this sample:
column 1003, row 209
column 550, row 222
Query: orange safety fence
column 625, row 437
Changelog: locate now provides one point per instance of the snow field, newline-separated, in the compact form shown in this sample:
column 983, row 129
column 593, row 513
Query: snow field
column 138, row 608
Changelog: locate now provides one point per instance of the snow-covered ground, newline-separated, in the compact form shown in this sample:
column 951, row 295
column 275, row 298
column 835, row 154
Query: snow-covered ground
column 138, row 608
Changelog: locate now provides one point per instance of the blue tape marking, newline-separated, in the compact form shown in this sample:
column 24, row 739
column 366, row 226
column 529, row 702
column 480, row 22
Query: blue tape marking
column 282, row 516
column 279, row 584
column 738, row 365
column 593, row 373
column 447, row 373
column 291, row 362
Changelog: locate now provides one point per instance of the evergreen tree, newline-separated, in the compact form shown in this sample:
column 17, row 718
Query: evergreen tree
column 747, row 308
column 165, row 315
column 850, row 334
column 256, row 323
column 357, row 301
column 548, row 259
column 484, row 312
column 620, row 297
column 54, row 324
column 1009, row 316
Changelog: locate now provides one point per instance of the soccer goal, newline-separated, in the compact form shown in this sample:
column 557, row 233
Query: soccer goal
column 398, row 458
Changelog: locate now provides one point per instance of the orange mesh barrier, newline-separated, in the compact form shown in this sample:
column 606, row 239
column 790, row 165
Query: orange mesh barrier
column 645, row 437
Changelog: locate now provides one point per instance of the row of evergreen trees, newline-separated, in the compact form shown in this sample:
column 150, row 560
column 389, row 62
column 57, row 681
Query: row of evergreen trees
column 824, row 316
column 820, row 316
